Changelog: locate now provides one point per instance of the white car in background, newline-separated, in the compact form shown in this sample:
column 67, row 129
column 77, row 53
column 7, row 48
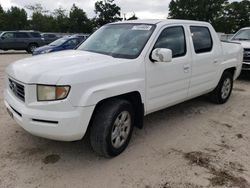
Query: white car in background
column 243, row 37
column 121, row 73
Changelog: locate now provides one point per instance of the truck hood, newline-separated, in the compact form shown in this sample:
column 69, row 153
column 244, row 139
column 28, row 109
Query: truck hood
column 49, row 68
column 245, row 44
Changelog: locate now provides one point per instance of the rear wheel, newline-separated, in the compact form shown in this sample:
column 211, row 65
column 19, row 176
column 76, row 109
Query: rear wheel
column 31, row 48
column 223, row 90
column 112, row 127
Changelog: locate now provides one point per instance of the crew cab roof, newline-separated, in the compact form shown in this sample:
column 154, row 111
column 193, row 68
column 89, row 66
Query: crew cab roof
column 163, row 21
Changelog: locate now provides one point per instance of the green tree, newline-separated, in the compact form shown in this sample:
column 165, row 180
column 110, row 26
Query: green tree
column 237, row 16
column 2, row 15
column 203, row 10
column 61, row 20
column 41, row 20
column 15, row 19
column 79, row 21
column 107, row 11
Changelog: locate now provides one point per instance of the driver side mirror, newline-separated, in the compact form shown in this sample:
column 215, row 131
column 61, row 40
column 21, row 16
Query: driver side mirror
column 162, row 55
column 2, row 37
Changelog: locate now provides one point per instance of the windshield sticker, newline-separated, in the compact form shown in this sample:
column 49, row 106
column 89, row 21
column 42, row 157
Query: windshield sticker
column 142, row 27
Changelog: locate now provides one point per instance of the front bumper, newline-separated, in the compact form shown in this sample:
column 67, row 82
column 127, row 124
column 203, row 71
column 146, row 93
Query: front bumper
column 58, row 124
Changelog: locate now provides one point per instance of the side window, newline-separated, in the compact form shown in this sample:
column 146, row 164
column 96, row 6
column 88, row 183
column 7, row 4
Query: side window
column 173, row 38
column 202, row 39
column 51, row 36
column 72, row 42
column 8, row 35
column 35, row 35
column 21, row 35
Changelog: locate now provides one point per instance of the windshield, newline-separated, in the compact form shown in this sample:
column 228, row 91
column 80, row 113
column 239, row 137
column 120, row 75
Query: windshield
column 242, row 35
column 119, row 40
column 58, row 42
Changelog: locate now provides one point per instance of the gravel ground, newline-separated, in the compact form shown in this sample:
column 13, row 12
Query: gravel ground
column 194, row 144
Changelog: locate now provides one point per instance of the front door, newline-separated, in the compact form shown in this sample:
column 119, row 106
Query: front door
column 8, row 40
column 168, row 83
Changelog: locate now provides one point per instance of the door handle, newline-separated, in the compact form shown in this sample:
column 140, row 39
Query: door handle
column 186, row 68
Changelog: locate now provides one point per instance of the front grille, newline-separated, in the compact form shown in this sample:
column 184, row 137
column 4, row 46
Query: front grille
column 246, row 55
column 17, row 89
column 245, row 67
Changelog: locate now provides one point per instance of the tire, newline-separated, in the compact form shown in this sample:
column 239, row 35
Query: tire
column 109, row 135
column 223, row 91
column 31, row 48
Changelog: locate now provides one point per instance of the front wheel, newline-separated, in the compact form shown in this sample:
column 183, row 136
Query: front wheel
column 112, row 127
column 223, row 90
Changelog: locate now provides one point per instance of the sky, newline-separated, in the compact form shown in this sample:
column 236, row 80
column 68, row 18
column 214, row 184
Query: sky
column 144, row 9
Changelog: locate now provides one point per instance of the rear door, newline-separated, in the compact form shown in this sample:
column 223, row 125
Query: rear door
column 206, row 58
column 22, row 40
column 168, row 83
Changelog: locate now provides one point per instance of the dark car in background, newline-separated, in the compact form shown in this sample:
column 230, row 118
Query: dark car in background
column 84, row 36
column 20, row 40
column 65, row 43
column 49, row 37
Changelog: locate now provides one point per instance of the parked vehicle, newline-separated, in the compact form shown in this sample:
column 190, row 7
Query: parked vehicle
column 119, row 74
column 20, row 40
column 65, row 43
column 84, row 36
column 243, row 37
column 49, row 37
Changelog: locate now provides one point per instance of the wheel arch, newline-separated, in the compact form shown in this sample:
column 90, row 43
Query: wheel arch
column 134, row 98
column 232, row 70
column 31, row 43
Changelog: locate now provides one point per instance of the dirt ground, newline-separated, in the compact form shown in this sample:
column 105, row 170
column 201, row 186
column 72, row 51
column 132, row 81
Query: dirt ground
column 191, row 145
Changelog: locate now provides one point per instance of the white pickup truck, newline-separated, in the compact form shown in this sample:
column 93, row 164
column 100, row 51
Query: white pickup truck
column 123, row 72
column 243, row 37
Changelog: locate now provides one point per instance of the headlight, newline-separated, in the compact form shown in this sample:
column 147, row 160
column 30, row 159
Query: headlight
column 52, row 93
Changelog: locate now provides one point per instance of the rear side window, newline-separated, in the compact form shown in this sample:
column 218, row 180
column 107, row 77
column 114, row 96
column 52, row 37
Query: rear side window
column 35, row 35
column 173, row 38
column 202, row 39
column 72, row 42
column 51, row 36
column 8, row 35
column 21, row 35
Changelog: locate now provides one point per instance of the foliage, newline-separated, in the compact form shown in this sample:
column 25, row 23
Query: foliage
column 237, row 16
column 107, row 11
column 61, row 20
column 79, row 21
column 13, row 19
column 224, row 16
column 1, row 18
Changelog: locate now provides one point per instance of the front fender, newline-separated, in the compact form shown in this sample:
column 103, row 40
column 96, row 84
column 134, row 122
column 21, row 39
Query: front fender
column 98, row 93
